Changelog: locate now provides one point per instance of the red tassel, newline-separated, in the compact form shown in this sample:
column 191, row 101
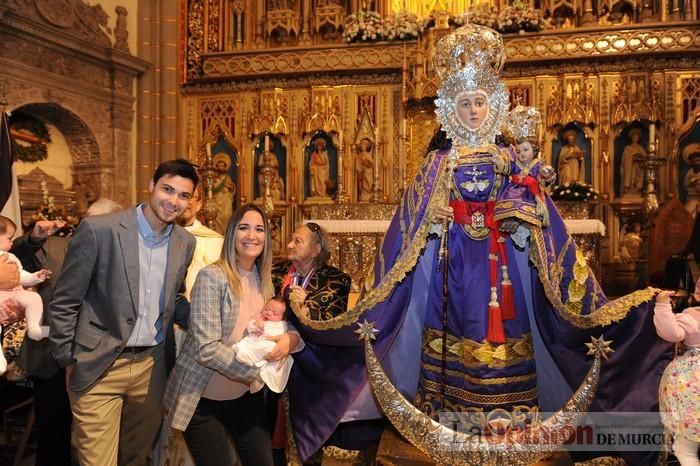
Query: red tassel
column 495, row 332
column 507, row 301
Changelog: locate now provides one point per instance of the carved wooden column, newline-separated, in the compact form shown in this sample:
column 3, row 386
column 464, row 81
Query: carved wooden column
column 157, row 90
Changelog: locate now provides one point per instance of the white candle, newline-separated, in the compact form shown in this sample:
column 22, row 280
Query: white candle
column 376, row 152
column 652, row 133
column 403, row 128
column 267, row 143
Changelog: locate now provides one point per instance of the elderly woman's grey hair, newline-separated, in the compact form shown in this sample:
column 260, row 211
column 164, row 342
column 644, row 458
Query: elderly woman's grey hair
column 103, row 206
column 320, row 237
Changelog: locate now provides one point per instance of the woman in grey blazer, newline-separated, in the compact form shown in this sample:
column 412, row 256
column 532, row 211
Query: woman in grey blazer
column 208, row 395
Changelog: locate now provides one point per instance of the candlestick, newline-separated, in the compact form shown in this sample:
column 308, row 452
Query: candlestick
column 209, row 152
column 652, row 133
column 376, row 152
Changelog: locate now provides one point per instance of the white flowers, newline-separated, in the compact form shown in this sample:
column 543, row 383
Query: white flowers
column 519, row 17
column 371, row 26
column 574, row 192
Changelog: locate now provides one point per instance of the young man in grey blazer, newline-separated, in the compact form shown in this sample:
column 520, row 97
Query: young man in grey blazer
column 112, row 316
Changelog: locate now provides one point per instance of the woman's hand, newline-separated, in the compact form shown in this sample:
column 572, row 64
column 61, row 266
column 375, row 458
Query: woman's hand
column 285, row 344
column 443, row 214
column 664, row 297
column 297, row 296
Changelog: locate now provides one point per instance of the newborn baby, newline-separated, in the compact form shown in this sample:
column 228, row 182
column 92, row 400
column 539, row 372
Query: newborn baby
column 253, row 347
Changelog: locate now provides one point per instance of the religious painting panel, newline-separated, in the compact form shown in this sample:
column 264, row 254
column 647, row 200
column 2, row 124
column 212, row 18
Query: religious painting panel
column 320, row 167
column 571, row 155
column 631, row 147
column 224, row 183
column 689, row 169
column 271, row 155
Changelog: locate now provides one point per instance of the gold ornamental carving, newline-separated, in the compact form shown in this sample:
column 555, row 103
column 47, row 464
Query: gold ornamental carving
column 346, row 211
column 351, row 58
column 328, row 19
column 195, row 39
column 597, row 43
column 282, row 24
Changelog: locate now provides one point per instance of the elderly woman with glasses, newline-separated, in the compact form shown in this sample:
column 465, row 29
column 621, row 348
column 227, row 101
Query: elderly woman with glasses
column 315, row 289
column 317, row 293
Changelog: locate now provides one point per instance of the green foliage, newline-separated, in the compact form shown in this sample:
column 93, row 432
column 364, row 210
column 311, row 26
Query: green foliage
column 35, row 151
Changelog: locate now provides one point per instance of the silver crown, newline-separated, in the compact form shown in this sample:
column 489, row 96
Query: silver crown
column 472, row 44
column 521, row 124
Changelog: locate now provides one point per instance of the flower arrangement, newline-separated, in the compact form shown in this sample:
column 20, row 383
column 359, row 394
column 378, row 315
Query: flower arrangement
column 480, row 13
column 363, row 27
column 401, row 26
column 574, row 192
column 519, row 17
column 370, row 26
column 48, row 211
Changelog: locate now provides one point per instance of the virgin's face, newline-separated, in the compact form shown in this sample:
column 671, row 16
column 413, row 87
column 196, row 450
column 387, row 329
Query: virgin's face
column 472, row 109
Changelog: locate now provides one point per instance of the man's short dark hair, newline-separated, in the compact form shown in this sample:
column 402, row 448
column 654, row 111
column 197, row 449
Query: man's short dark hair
column 177, row 167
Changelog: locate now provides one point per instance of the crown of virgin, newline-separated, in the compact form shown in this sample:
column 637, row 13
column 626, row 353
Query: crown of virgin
column 470, row 46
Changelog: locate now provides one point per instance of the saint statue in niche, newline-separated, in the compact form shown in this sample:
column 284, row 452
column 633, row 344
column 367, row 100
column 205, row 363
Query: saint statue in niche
column 223, row 191
column 631, row 171
column 270, row 159
column 570, row 160
column 319, row 169
column 365, row 169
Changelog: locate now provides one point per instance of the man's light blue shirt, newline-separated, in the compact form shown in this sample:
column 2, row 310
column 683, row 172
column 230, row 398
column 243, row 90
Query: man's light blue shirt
column 153, row 263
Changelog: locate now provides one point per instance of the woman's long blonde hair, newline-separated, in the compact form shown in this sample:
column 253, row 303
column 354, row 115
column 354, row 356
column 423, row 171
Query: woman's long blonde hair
column 229, row 257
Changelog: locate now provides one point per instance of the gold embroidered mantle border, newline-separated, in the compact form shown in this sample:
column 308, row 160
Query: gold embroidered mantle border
column 602, row 43
column 305, row 60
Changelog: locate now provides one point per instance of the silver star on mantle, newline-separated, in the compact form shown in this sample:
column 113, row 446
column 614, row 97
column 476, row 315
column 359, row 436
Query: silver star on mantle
column 366, row 330
column 599, row 346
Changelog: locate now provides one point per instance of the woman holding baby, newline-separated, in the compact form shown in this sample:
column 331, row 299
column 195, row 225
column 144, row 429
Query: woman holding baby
column 208, row 395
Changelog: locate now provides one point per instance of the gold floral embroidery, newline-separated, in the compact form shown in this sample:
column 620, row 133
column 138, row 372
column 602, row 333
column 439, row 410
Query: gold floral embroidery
column 613, row 311
column 473, row 353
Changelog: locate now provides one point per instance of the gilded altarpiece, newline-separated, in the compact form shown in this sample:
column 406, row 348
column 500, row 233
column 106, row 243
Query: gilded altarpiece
column 614, row 88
